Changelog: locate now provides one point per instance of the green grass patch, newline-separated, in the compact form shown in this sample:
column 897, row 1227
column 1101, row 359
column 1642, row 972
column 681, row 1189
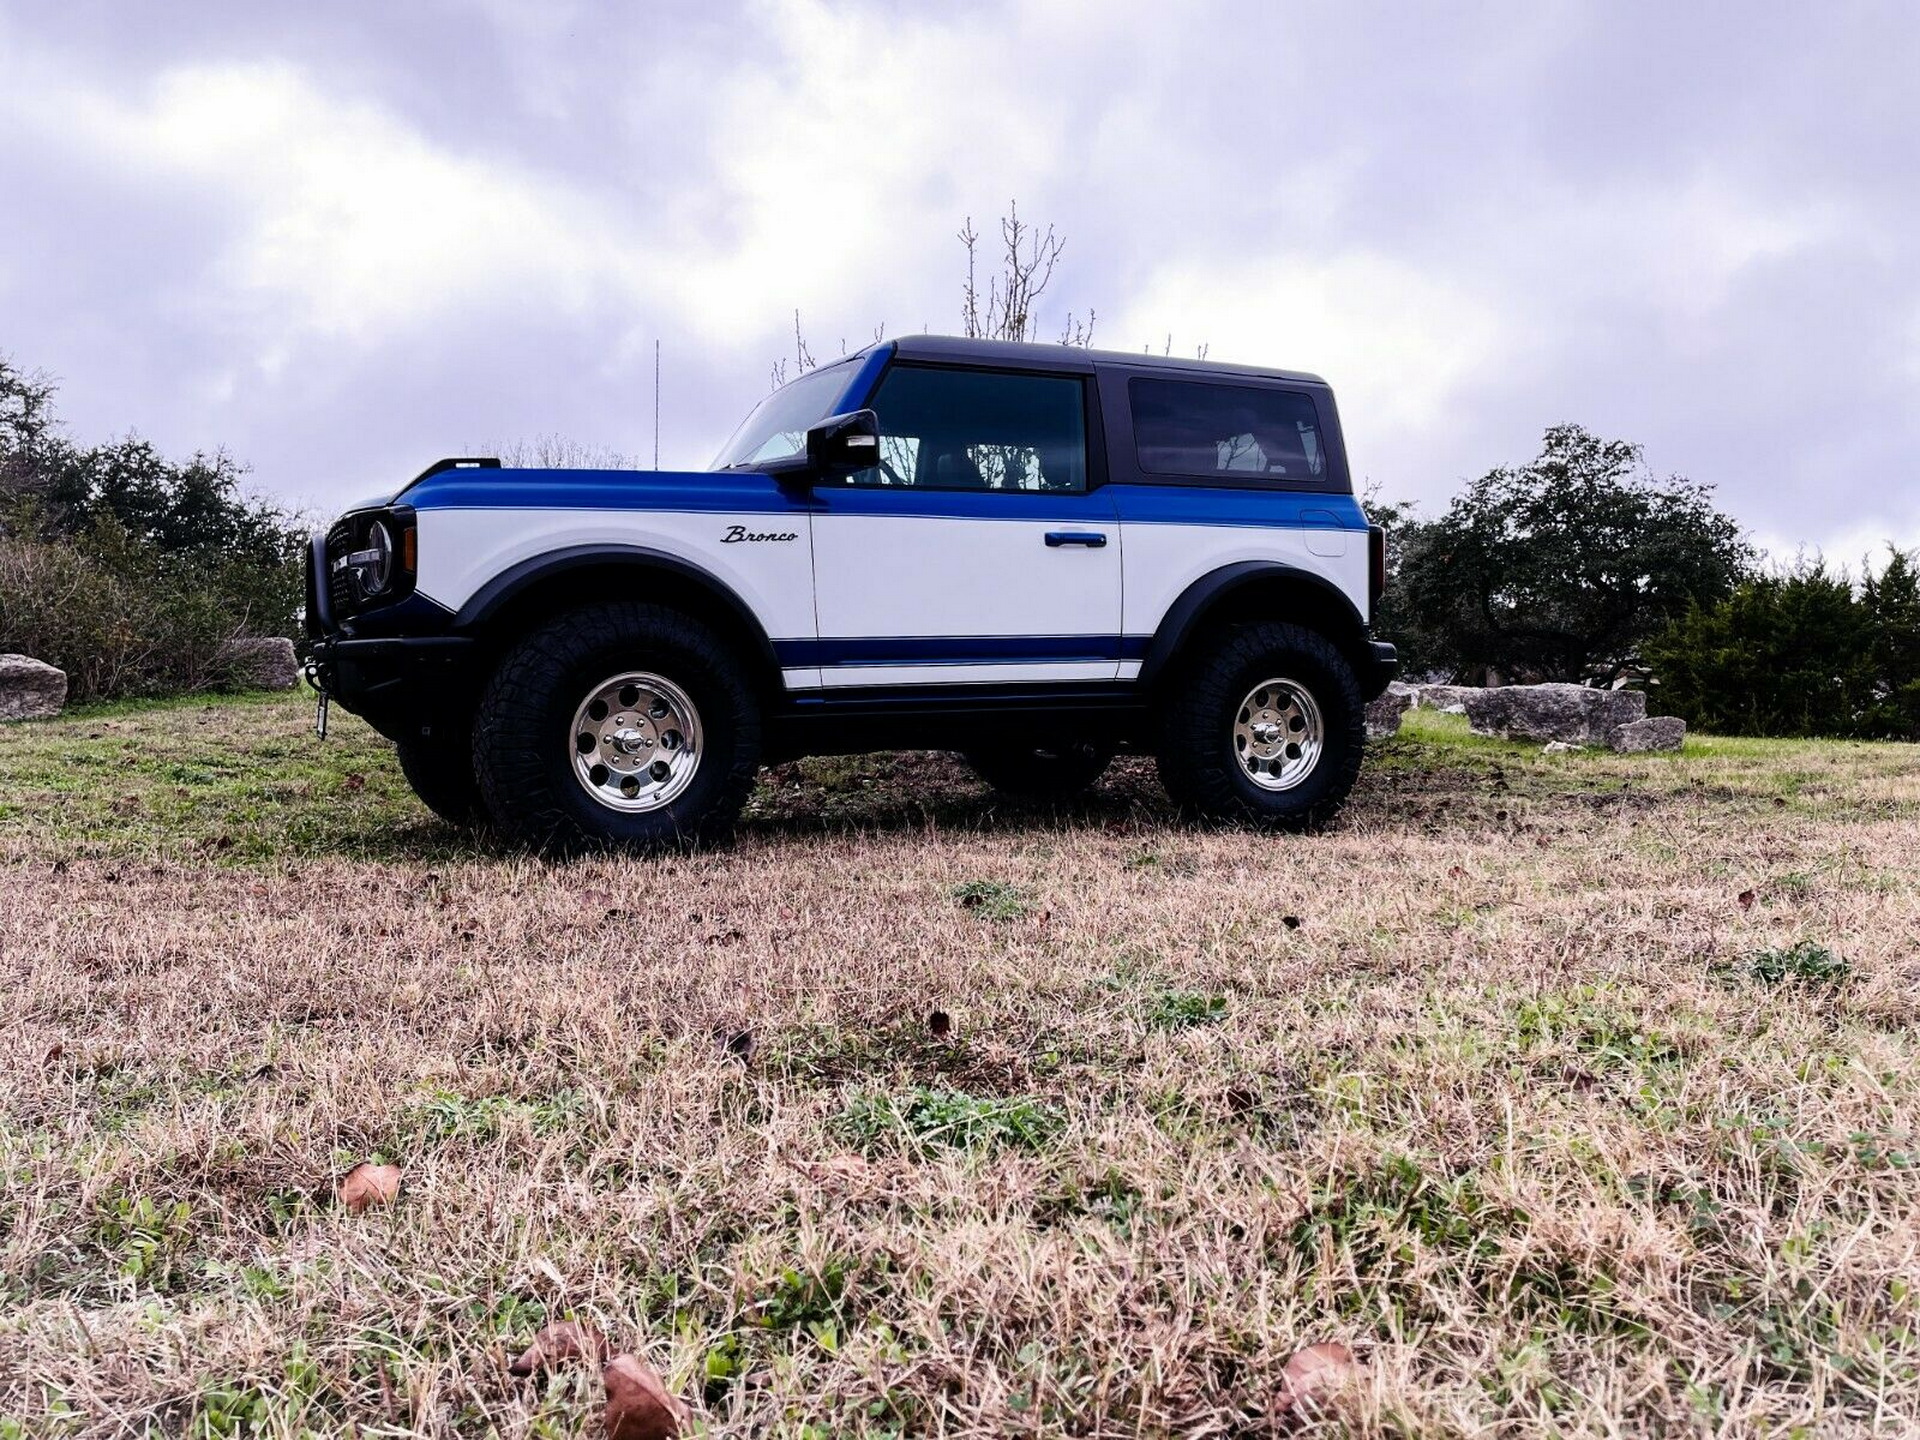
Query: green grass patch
column 1803, row 962
column 1185, row 1010
column 931, row 1119
column 992, row 900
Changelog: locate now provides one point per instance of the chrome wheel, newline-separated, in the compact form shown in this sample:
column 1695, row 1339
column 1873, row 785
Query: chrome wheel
column 1278, row 734
column 636, row 742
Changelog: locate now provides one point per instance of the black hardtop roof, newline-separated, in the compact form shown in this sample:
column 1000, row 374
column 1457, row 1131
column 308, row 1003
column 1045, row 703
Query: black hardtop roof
column 956, row 349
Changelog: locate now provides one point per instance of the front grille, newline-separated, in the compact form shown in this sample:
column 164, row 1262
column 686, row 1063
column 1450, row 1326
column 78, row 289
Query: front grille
column 341, row 593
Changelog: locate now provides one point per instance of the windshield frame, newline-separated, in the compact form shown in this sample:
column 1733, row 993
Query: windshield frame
column 792, row 410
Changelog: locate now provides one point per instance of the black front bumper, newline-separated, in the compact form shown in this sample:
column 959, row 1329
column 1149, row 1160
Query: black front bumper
column 1378, row 667
column 398, row 685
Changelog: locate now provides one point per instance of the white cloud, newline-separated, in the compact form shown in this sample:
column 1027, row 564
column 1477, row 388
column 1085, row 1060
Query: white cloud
column 345, row 221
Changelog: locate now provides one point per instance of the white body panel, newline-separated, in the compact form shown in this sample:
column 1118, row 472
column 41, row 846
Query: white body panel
column 462, row 549
column 1162, row 560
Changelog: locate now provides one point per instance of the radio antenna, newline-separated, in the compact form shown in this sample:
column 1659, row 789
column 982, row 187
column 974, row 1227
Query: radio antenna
column 656, row 404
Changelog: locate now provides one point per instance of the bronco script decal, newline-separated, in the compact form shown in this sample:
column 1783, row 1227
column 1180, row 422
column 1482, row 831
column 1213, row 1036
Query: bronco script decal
column 736, row 534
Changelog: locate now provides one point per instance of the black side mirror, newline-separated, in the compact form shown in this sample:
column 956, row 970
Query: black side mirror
column 842, row 443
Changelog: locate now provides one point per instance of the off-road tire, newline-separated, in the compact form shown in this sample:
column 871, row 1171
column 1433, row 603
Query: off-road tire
column 1050, row 771
column 523, row 741
column 1198, row 760
column 439, row 767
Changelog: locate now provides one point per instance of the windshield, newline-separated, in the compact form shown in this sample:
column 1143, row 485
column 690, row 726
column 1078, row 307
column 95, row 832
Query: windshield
column 777, row 428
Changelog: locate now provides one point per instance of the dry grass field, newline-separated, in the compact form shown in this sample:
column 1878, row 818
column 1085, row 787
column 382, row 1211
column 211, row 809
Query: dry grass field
column 1578, row 1095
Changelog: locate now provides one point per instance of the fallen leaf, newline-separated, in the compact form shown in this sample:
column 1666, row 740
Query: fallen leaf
column 639, row 1406
column 559, row 1342
column 354, row 782
column 369, row 1184
column 847, row 1173
column 1310, row 1375
column 1455, row 872
column 939, row 1024
column 54, row 1052
column 1746, row 899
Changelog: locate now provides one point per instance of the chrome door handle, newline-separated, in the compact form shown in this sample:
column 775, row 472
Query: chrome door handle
column 1092, row 539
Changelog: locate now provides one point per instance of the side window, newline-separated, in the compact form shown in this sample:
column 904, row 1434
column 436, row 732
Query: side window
column 946, row 429
column 1197, row 427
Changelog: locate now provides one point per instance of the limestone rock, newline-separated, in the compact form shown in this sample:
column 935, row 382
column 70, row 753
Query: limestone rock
column 259, row 663
column 1577, row 714
column 30, row 689
column 1656, row 732
column 1448, row 699
column 1384, row 712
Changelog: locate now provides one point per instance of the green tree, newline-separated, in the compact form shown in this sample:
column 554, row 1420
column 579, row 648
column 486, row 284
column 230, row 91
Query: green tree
column 1561, row 569
column 1892, row 603
column 1423, row 652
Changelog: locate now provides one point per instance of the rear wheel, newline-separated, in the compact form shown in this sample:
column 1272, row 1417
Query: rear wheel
column 628, row 725
column 1050, row 771
column 439, row 767
column 1265, row 726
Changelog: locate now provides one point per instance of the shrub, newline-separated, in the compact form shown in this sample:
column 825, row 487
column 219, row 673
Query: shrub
column 1800, row 653
column 123, row 619
column 125, row 569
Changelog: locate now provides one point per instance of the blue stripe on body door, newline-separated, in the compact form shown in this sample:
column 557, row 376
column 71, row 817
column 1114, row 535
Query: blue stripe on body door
column 960, row 649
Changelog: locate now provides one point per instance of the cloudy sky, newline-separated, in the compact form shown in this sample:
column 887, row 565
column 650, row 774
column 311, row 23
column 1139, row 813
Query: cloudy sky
column 345, row 239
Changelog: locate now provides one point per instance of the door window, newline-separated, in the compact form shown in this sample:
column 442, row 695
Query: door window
column 947, row 429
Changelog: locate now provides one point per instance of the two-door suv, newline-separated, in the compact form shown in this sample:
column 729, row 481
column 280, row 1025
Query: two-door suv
column 1035, row 555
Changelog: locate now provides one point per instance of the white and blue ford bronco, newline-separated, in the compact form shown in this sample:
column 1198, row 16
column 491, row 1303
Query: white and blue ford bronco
column 1035, row 555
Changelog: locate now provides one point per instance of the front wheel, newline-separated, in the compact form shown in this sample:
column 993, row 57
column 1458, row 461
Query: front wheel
column 628, row 725
column 1265, row 726
column 439, row 767
column 1053, row 771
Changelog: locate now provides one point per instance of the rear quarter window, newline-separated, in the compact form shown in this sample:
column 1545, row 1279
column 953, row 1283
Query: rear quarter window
column 1234, row 433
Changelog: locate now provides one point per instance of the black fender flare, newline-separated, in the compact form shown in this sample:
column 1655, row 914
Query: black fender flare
column 486, row 603
column 1177, row 625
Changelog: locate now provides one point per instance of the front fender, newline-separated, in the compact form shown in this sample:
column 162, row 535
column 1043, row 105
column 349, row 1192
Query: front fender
column 495, row 598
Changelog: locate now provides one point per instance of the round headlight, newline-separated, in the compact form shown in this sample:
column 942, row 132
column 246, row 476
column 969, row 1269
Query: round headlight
column 376, row 567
